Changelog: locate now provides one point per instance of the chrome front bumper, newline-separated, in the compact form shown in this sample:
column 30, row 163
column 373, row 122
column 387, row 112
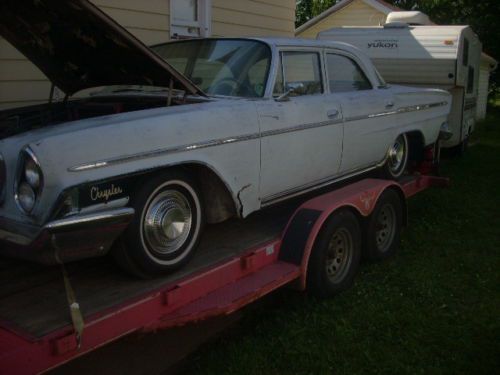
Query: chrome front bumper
column 64, row 240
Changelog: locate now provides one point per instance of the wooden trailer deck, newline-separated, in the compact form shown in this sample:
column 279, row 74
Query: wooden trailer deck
column 32, row 296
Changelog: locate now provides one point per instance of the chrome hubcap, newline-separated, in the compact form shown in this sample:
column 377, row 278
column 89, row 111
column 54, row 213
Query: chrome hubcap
column 386, row 224
column 397, row 154
column 339, row 257
column 167, row 222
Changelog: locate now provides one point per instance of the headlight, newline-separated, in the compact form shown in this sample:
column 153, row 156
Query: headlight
column 32, row 173
column 29, row 182
column 26, row 197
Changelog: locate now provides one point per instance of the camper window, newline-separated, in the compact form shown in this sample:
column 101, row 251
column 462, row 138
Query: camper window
column 465, row 56
column 345, row 75
column 470, row 80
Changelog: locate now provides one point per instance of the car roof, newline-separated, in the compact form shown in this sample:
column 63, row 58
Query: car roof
column 299, row 42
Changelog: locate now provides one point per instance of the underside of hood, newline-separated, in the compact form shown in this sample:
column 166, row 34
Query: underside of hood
column 77, row 46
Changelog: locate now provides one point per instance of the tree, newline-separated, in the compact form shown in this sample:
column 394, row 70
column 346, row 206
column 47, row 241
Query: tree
column 307, row 9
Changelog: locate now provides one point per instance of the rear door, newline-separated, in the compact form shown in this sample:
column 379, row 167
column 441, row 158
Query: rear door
column 363, row 107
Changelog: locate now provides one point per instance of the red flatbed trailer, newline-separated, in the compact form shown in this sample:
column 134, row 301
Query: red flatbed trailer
column 237, row 263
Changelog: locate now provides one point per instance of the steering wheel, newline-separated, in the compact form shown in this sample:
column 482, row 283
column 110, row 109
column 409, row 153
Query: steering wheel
column 224, row 86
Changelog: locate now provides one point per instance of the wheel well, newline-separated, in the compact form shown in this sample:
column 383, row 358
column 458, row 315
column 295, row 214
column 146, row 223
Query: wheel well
column 217, row 199
column 416, row 145
column 402, row 198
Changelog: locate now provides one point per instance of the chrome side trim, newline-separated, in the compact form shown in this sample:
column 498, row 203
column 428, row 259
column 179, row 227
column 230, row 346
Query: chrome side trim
column 197, row 146
column 412, row 108
column 272, row 199
column 162, row 151
column 241, row 138
column 116, row 203
column 297, row 128
column 116, row 214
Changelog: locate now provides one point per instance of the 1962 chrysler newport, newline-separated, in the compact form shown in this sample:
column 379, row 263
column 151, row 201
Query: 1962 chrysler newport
column 158, row 141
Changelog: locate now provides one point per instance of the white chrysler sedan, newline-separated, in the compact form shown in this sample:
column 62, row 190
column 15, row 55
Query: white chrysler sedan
column 157, row 142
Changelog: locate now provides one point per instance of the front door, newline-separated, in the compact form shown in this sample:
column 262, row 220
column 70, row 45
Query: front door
column 301, row 142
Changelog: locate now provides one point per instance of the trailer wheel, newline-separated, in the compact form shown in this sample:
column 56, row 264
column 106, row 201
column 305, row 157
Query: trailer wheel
column 335, row 257
column 383, row 232
column 166, row 228
column 397, row 158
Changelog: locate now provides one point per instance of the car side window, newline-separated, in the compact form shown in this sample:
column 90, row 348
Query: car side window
column 257, row 74
column 300, row 73
column 344, row 74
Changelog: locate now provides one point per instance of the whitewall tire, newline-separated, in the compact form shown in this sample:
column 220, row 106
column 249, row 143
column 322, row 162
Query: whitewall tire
column 167, row 226
column 397, row 158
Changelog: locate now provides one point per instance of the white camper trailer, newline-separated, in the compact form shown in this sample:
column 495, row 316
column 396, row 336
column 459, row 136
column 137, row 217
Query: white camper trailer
column 409, row 50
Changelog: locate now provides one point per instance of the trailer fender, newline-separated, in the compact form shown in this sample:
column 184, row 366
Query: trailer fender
column 306, row 223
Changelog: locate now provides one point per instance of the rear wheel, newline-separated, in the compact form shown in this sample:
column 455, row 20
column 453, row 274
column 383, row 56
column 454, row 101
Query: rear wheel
column 165, row 231
column 335, row 257
column 384, row 227
column 397, row 158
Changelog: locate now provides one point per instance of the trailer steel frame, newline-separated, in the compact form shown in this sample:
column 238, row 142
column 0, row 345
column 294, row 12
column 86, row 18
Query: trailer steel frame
column 215, row 290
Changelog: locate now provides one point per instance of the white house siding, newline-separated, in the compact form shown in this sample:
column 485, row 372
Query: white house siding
column 253, row 18
column 21, row 83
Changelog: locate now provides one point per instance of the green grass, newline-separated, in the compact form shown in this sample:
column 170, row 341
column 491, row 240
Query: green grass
column 432, row 309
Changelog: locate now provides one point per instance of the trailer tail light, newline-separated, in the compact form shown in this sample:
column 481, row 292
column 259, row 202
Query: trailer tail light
column 429, row 153
column 448, row 42
column 430, row 160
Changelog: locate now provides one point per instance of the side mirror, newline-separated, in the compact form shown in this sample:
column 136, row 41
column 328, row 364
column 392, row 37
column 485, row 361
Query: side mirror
column 292, row 89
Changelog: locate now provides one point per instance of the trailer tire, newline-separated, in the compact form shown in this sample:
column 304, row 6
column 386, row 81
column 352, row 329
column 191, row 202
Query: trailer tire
column 336, row 254
column 168, row 222
column 383, row 230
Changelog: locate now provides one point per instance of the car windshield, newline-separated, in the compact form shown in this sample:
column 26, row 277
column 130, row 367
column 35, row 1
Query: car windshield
column 229, row 67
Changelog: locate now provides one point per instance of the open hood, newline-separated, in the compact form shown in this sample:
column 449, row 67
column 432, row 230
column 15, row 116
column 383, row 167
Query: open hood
column 77, row 46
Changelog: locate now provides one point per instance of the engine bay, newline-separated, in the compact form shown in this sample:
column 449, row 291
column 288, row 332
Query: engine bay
column 19, row 120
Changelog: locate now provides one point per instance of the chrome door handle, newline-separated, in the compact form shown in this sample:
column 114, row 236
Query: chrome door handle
column 389, row 105
column 332, row 113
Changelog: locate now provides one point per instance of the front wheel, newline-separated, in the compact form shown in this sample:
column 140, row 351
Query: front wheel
column 166, row 229
column 397, row 158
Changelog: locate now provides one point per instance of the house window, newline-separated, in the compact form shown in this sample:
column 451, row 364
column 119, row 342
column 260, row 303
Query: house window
column 190, row 18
